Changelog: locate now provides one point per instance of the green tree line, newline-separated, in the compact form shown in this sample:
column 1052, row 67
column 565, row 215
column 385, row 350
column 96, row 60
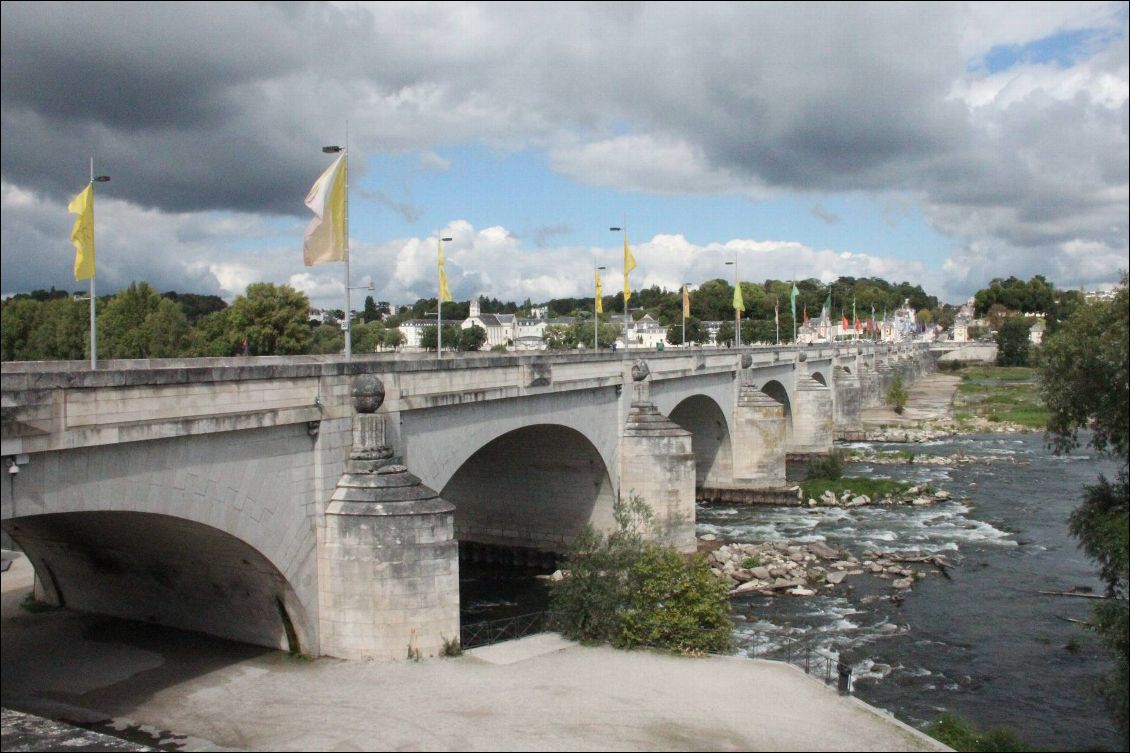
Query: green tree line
column 138, row 322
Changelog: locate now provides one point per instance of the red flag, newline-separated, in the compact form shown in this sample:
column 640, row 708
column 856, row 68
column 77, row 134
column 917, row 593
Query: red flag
column 844, row 322
column 806, row 314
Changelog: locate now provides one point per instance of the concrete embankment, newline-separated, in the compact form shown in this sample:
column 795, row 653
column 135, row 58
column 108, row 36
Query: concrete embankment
column 541, row 693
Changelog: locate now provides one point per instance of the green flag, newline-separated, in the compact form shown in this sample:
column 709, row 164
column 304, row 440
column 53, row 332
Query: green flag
column 792, row 299
column 739, row 304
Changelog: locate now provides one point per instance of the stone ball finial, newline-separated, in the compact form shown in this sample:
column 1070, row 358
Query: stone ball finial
column 802, row 357
column 747, row 361
column 368, row 393
column 640, row 371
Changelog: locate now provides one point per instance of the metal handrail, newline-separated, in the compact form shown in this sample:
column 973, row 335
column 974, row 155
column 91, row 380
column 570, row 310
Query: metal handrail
column 802, row 653
column 506, row 629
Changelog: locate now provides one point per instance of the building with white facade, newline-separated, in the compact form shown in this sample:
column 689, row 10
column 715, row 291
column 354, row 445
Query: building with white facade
column 413, row 331
column 645, row 332
column 501, row 329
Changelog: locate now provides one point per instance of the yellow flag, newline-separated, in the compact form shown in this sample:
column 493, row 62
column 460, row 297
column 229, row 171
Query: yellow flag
column 739, row 304
column 444, row 292
column 325, row 235
column 599, row 293
column 82, row 235
column 629, row 265
column 686, row 302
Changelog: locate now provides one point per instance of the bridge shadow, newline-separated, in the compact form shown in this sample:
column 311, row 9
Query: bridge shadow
column 81, row 668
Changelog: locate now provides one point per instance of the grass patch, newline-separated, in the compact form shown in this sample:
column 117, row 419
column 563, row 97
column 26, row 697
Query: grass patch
column 960, row 735
column 998, row 374
column 1000, row 395
column 875, row 488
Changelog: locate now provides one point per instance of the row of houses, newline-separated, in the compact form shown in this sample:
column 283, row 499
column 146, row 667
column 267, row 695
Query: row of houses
column 527, row 333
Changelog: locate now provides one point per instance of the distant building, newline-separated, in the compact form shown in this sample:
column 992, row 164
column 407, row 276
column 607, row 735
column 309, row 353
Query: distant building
column 645, row 332
column 1036, row 332
column 413, row 331
column 500, row 328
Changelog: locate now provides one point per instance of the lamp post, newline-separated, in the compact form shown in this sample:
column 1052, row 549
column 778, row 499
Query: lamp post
column 686, row 291
column 93, row 330
column 627, row 316
column 596, row 311
column 347, row 324
column 439, row 301
column 737, row 311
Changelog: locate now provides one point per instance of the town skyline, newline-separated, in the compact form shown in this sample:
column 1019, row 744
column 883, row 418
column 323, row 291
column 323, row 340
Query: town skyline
column 942, row 145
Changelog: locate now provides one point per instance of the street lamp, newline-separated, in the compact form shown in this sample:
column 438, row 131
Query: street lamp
column 686, row 291
column 93, row 330
column 439, row 299
column 627, row 316
column 737, row 311
column 596, row 310
column 347, row 324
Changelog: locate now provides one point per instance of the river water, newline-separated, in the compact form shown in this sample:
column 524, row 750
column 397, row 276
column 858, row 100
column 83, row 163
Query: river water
column 983, row 643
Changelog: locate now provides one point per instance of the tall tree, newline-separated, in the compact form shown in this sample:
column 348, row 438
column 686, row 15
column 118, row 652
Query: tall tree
column 1085, row 383
column 122, row 329
column 273, row 319
column 1013, row 343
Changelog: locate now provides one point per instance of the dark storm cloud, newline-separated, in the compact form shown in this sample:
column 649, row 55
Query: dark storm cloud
column 166, row 97
column 196, row 106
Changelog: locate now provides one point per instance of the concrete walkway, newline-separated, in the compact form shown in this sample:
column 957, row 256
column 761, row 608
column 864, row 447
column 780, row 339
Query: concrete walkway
column 540, row 693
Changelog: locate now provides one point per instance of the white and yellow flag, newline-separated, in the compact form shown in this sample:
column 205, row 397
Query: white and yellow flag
column 444, row 291
column 325, row 235
column 82, row 235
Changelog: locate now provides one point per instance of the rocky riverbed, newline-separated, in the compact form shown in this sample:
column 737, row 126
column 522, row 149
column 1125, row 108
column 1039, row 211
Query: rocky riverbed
column 775, row 568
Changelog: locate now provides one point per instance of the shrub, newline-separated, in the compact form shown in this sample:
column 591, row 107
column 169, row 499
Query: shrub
column 897, row 395
column 960, row 735
column 630, row 592
column 825, row 467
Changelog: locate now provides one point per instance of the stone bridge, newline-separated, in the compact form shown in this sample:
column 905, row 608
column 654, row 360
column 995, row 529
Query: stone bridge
column 316, row 505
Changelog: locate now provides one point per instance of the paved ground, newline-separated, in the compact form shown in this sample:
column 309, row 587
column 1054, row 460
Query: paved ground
column 542, row 693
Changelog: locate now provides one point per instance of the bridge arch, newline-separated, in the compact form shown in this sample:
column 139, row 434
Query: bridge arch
column 819, row 377
column 777, row 391
column 165, row 570
column 710, row 430
column 535, row 487
column 241, row 497
column 438, row 441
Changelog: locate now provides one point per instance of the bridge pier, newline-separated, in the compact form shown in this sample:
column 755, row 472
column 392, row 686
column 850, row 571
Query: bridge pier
column 759, row 440
column 849, row 402
column 389, row 561
column 813, row 417
column 657, row 463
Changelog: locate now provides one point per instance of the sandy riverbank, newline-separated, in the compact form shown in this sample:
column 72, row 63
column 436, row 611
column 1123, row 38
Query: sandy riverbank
column 542, row 693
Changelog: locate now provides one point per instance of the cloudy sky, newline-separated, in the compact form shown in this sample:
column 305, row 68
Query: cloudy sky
column 940, row 144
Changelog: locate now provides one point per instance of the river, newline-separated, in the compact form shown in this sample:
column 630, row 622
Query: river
column 983, row 643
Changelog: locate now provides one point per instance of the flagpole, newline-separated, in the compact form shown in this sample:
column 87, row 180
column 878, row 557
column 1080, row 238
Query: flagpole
column 93, row 328
column 596, row 306
column 794, row 315
column 627, row 316
column 439, row 310
column 348, row 304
